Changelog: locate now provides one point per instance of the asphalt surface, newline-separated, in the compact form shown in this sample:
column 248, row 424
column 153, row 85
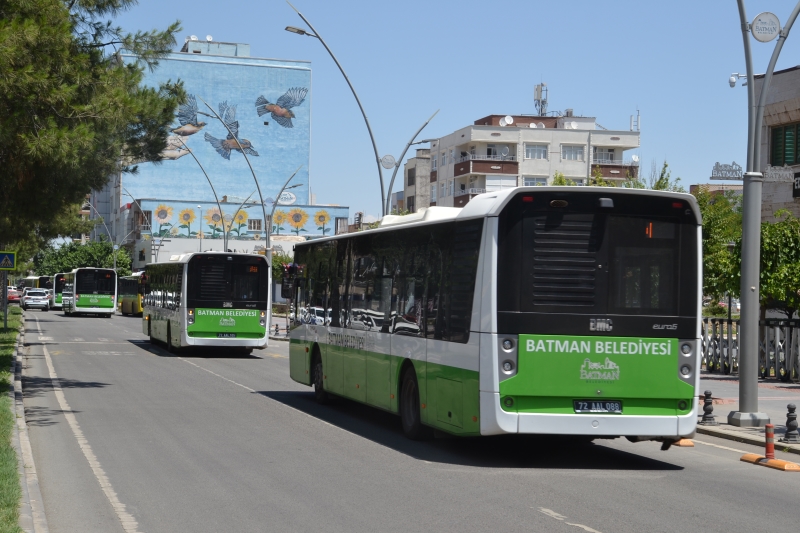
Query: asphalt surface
column 135, row 439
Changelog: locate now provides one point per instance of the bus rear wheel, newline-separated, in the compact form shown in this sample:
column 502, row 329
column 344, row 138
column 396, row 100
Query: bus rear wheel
column 410, row 407
column 320, row 394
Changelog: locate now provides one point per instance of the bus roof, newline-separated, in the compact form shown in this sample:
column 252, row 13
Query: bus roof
column 184, row 258
column 492, row 203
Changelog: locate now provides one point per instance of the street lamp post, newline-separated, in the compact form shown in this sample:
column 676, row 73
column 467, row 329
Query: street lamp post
column 315, row 33
column 400, row 161
column 748, row 414
column 113, row 244
column 275, row 204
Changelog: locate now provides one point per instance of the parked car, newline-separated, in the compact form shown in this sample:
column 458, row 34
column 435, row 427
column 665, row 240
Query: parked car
column 35, row 298
column 13, row 295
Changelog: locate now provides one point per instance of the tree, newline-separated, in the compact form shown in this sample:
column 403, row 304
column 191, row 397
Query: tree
column 662, row 181
column 279, row 259
column 72, row 112
column 559, row 179
column 722, row 226
column 75, row 254
column 633, row 180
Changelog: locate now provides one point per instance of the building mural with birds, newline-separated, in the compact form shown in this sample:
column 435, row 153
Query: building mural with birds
column 239, row 112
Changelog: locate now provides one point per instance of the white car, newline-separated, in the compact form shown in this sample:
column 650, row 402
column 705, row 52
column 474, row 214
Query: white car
column 35, row 298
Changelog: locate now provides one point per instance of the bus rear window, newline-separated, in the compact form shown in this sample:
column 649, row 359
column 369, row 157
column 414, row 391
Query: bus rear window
column 217, row 279
column 95, row 282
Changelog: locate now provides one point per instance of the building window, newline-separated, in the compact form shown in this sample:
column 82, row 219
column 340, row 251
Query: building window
column 443, row 192
column 783, row 146
column 433, row 163
column 580, row 181
column 145, row 220
column 491, row 151
column 412, row 177
column 571, row 152
column 534, row 182
column 602, row 155
column 452, row 187
column 444, row 159
column 452, row 155
column 410, row 205
column 535, row 151
column 254, row 224
column 433, row 192
column 496, row 183
column 472, row 152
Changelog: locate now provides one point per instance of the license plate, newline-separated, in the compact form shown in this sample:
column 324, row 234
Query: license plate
column 597, row 406
column 226, row 335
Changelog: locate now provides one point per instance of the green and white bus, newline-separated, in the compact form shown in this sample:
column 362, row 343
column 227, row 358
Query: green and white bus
column 58, row 290
column 90, row 291
column 39, row 282
column 536, row 310
column 208, row 299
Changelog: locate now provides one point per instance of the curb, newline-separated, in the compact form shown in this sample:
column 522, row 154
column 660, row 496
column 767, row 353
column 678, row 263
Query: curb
column 31, row 509
column 722, row 433
column 274, row 338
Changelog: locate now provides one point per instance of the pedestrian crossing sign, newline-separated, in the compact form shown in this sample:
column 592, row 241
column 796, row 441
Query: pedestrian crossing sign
column 8, row 260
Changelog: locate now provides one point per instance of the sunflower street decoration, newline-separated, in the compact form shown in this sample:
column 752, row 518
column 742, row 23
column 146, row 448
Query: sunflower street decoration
column 278, row 218
column 240, row 220
column 186, row 217
column 322, row 217
column 163, row 216
column 214, row 219
column 298, row 219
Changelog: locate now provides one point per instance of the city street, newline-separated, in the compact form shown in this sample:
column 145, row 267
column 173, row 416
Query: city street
column 127, row 437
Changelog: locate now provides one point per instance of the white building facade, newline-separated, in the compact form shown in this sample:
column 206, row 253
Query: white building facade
column 500, row 151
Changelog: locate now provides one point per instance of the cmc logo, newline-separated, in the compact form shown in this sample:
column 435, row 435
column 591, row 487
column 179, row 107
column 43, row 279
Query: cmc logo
column 600, row 324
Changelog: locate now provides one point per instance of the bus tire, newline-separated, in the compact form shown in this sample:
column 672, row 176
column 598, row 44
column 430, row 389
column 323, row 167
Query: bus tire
column 320, row 394
column 410, row 407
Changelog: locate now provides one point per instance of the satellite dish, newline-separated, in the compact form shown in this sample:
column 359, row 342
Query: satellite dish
column 540, row 125
column 573, row 125
column 509, row 119
column 532, row 125
column 388, row 162
column 504, row 151
column 635, row 158
column 209, row 38
column 503, row 121
column 193, row 37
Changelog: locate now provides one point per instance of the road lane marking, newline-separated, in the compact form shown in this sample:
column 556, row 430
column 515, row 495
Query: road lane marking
column 561, row 517
column 128, row 521
column 277, row 356
column 719, row 446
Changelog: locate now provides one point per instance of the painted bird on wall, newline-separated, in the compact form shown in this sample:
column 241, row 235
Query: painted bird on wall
column 175, row 149
column 225, row 146
column 282, row 109
column 187, row 116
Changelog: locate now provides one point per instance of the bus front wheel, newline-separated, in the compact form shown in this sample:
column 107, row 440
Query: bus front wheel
column 320, row 394
column 410, row 407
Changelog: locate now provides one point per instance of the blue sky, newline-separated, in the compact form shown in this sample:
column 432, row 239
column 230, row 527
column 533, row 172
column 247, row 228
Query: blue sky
column 671, row 60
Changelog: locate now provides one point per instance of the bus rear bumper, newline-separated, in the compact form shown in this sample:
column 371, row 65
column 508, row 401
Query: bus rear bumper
column 496, row 421
column 232, row 343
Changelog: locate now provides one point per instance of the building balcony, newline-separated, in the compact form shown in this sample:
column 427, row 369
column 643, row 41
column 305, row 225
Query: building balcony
column 486, row 167
column 484, row 157
column 617, row 162
column 462, row 198
column 616, row 168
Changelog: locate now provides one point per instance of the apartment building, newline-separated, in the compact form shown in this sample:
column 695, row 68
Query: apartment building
column 500, row 151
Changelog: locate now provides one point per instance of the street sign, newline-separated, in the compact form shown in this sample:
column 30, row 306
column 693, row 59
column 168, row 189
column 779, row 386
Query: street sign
column 727, row 172
column 765, row 27
column 783, row 174
column 8, row 260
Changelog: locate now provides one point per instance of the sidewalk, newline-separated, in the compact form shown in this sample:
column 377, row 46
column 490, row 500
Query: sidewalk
column 773, row 396
column 282, row 335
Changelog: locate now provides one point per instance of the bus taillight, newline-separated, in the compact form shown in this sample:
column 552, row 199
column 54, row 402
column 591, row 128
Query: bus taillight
column 190, row 320
column 263, row 320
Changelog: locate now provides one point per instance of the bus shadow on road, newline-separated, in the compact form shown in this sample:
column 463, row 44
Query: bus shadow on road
column 507, row 451
column 191, row 353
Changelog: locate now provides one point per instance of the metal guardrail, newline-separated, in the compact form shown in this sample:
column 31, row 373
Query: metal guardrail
column 720, row 345
column 778, row 347
column 484, row 157
column 620, row 162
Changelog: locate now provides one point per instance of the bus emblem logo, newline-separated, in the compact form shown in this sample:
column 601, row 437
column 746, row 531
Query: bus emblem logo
column 227, row 322
column 227, row 304
column 607, row 371
column 600, row 324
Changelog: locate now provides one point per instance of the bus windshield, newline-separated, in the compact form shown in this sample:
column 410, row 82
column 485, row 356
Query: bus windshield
column 628, row 257
column 216, row 280
column 95, row 282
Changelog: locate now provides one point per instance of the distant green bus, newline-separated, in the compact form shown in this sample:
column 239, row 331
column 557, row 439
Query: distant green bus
column 90, row 291
column 211, row 299
column 537, row 310
column 58, row 290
